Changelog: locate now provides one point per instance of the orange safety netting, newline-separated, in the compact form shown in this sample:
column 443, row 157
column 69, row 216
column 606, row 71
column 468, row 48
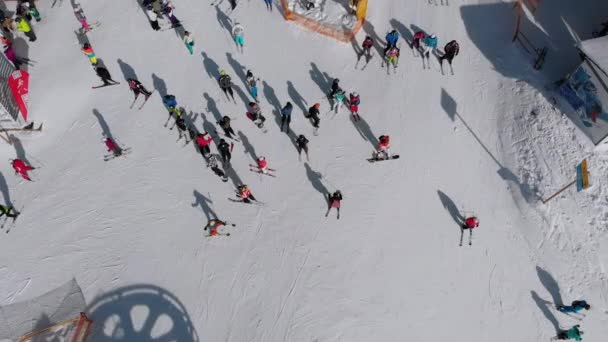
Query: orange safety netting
column 339, row 33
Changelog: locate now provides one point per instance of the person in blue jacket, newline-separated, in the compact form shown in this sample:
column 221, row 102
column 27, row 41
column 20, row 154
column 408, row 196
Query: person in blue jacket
column 286, row 116
column 429, row 44
column 575, row 307
column 392, row 38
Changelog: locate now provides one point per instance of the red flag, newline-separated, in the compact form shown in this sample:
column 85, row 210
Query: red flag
column 19, row 82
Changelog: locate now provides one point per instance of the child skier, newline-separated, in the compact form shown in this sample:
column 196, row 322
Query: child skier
column 354, row 102
column 334, row 202
column 171, row 104
column 262, row 166
column 189, row 41
column 571, row 334
column 384, row 146
column 238, row 32
column 245, row 194
column 367, row 45
column 21, row 168
column 575, row 307
column 313, row 115
column 225, row 152
column 418, row 37
column 87, row 49
column 212, row 163
column 4, row 210
column 392, row 57
column 302, row 145
column 338, row 100
column 139, row 88
column 112, row 147
column 203, row 141
column 226, row 84
column 225, row 124
column 252, row 84
column 214, row 224
column 286, row 116
column 82, row 19
column 105, row 76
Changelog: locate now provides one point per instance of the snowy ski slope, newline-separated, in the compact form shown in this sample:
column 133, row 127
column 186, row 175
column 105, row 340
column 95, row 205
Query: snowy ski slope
column 390, row 269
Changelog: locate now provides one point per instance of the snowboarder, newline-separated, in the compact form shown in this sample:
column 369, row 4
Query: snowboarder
column 391, row 40
column 313, row 115
column 87, row 49
column 82, row 19
column 268, row 4
column 203, row 140
column 238, row 32
column 245, row 194
column 189, row 41
column 392, row 57
column 286, row 116
column 575, row 307
column 212, row 163
column 302, row 145
column 252, row 84
column 226, row 84
column 354, row 101
column 572, row 333
column 333, row 201
column 180, row 122
column 4, row 210
column 138, row 88
column 24, row 26
column 429, row 45
column 21, row 168
column 418, row 37
column 225, row 152
column 367, row 45
column 105, row 76
column 112, row 146
column 167, row 8
column 255, row 114
column 450, row 51
column 214, row 224
column 152, row 17
column 225, row 124
column 338, row 100
column 335, row 87
column 384, row 146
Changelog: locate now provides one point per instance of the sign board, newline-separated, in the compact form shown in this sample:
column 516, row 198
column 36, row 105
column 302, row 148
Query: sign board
column 19, row 82
column 582, row 176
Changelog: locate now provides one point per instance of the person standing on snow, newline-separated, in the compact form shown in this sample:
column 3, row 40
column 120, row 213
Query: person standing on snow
column 391, row 40
column 152, row 17
column 392, row 57
column 418, row 37
column 24, row 26
column 302, row 145
column 214, row 224
column 189, row 41
column 224, row 149
column 367, row 45
column 338, row 100
column 450, row 51
column 87, row 49
column 138, row 88
column 171, row 103
column 384, row 146
column 105, row 76
column 238, row 33
column 255, row 114
column 333, row 201
column 180, row 122
column 575, row 307
column 225, row 124
column 571, row 334
column 226, row 84
column 21, row 168
column 252, row 84
column 203, row 141
column 470, row 222
column 4, row 210
column 262, row 164
column 313, row 114
column 429, row 45
column 212, row 163
column 335, row 87
column 286, row 116
column 354, row 101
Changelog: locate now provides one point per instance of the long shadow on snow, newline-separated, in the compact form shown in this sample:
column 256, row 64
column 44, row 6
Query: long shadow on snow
column 450, row 107
column 272, row 99
column 19, row 150
column 5, row 191
column 160, row 85
column 365, row 131
column 369, row 29
column 249, row 149
column 104, row 125
column 212, row 107
column 118, row 305
column 238, row 68
column 451, row 207
column 543, row 305
column 550, row 284
column 204, row 203
column 403, row 30
column 126, row 69
column 321, row 79
column 234, row 177
column 213, row 70
column 315, row 179
column 224, row 20
column 242, row 95
column 297, row 99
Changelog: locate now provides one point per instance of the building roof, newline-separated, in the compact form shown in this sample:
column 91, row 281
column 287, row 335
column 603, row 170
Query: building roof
column 597, row 50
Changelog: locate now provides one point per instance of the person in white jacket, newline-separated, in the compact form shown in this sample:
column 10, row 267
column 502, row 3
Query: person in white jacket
column 238, row 32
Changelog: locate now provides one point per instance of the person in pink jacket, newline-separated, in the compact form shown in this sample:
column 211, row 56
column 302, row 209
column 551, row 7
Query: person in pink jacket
column 21, row 168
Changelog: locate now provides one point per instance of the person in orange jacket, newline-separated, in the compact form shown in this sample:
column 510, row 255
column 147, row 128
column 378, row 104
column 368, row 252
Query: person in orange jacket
column 21, row 168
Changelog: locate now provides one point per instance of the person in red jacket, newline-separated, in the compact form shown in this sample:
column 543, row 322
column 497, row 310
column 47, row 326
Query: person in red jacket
column 367, row 45
column 354, row 101
column 384, row 146
column 418, row 36
column 203, row 141
column 263, row 165
column 470, row 222
column 113, row 147
column 21, row 168
column 245, row 194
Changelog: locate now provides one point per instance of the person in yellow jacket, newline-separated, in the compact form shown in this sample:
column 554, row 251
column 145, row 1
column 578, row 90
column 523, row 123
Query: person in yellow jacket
column 24, row 26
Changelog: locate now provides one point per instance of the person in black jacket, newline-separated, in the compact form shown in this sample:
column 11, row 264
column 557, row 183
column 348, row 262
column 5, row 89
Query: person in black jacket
column 225, row 124
column 313, row 114
column 302, row 145
column 226, row 84
column 224, row 149
column 105, row 76
column 286, row 116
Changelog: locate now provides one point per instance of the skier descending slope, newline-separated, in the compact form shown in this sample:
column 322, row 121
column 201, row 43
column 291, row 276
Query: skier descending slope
column 171, row 104
column 224, row 123
column 238, row 32
column 383, row 152
column 245, row 194
column 354, row 101
column 286, row 116
column 203, row 140
column 418, row 37
column 252, row 84
column 333, row 201
column 214, row 224
column 189, row 41
column 302, row 145
column 213, row 164
column 576, row 307
column 225, row 150
column 391, row 40
column 180, row 122
column 138, row 88
column 469, row 223
column 571, row 334
column 313, row 116
column 449, row 52
column 428, row 46
column 392, row 58
column 367, row 45
column 262, row 167
column 338, row 100
column 226, row 84
column 87, row 49
column 335, row 87
column 21, row 168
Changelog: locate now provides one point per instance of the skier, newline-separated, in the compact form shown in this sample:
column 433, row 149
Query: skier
column 450, row 51
column 575, row 307
column 226, row 84
column 392, row 57
column 87, row 49
column 180, row 122
column 418, row 37
column 470, row 222
column 224, row 149
column 334, row 202
column 245, row 194
column 214, row 224
column 30, row 10
column 252, row 84
column 262, row 164
column 238, row 32
column 367, row 45
column 24, row 26
column 335, row 87
column 138, row 88
column 572, row 333
column 255, row 114
column 391, row 40
column 189, row 41
column 302, row 145
column 268, row 4
column 232, row 4
column 171, row 104
column 225, row 124
column 354, row 101
column 21, row 168
column 105, row 76
column 313, row 114
column 338, row 100
column 112, row 146
column 286, row 116
column 203, row 140
column 152, row 17
column 212, row 163
column 82, row 19
column 429, row 45
column 4, row 210
column 167, row 8
column 384, row 146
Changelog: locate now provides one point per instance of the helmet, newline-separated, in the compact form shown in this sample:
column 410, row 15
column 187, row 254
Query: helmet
column 86, row 45
column 222, row 72
column 226, row 118
column 355, row 93
column 301, row 136
column 249, row 73
column 222, row 141
column 336, row 80
column 368, row 37
column 433, row 36
column 317, row 105
column 262, row 158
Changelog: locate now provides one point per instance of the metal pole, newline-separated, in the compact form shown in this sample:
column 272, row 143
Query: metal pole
column 559, row 192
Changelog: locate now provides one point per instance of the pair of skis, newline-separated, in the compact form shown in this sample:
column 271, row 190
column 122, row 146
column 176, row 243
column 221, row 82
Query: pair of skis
column 8, row 229
column 145, row 100
column 254, row 168
column 220, row 234
column 105, row 85
column 124, row 152
column 462, row 229
column 252, row 202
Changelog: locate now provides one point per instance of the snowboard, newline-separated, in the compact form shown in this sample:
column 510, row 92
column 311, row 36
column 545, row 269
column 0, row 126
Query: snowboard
column 373, row 160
